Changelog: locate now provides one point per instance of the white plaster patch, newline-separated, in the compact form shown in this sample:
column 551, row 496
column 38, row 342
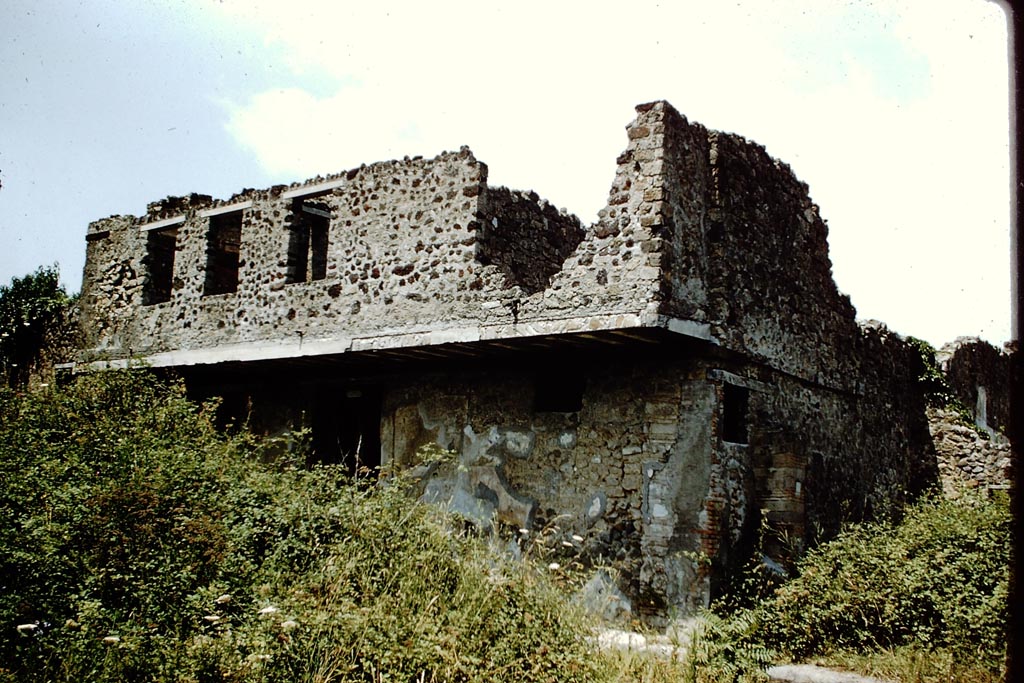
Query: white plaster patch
column 659, row 511
column 519, row 444
column 567, row 439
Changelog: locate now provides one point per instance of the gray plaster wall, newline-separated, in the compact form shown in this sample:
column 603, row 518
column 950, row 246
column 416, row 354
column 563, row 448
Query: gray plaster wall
column 628, row 472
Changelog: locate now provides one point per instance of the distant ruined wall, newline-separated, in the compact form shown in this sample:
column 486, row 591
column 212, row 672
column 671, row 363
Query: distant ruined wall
column 968, row 458
column 979, row 375
column 527, row 238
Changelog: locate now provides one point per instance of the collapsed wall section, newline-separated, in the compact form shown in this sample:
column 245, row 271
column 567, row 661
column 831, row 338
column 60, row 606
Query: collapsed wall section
column 525, row 237
column 979, row 375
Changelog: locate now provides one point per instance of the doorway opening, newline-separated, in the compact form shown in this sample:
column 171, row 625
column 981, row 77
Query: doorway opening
column 345, row 425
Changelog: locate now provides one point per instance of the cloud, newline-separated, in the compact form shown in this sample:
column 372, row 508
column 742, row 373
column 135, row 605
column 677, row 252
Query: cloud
column 895, row 114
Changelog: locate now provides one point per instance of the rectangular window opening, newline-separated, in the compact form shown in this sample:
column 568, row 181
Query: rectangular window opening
column 159, row 263
column 735, row 405
column 308, row 242
column 558, row 392
column 222, row 246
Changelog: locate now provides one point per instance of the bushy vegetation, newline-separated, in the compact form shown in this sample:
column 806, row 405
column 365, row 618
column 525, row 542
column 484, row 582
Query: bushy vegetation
column 140, row 544
column 32, row 308
column 925, row 599
column 938, row 580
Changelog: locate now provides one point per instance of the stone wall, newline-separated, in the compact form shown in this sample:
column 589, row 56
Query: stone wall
column 770, row 280
column 625, row 469
column 412, row 252
column 401, row 249
column 979, row 375
column 701, row 228
column 968, row 458
column 527, row 238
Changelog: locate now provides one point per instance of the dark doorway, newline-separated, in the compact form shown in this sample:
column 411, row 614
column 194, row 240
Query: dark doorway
column 345, row 423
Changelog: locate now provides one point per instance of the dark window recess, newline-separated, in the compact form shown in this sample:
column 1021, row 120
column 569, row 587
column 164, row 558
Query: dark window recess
column 159, row 262
column 558, row 392
column 345, row 428
column 735, row 404
column 308, row 241
column 222, row 244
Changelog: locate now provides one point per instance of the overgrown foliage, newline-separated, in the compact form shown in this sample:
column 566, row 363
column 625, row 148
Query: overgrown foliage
column 936, row 388
column 30, row 308
column 939, row 581
column 142, row 545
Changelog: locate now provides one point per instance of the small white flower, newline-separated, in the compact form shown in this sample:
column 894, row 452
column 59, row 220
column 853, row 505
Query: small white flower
column 223, row 600
column 289, row 624
column 268, row 610
column 567, row 544
column 577, row 538
column 213, row 618
column 524, row 532
column 110, row 640
column 27, row 628
column 554, row 566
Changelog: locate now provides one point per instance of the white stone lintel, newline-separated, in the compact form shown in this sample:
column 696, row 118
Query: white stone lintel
column 227, row 208
column 313, row 189
column 163, row 223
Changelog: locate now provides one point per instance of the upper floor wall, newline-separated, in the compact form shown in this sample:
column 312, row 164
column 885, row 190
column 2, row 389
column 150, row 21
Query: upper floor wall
column 408, row 252
column 704, row 234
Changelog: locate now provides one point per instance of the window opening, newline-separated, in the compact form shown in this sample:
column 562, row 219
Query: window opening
column 308, row 242
column 558, row 392
column 222, row 246
column 160, row 247
column 735, row 405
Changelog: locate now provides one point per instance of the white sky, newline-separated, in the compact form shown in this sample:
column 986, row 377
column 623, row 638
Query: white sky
column 894, row 113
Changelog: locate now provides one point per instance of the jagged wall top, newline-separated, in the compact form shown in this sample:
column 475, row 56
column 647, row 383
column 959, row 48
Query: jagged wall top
column 703, row 233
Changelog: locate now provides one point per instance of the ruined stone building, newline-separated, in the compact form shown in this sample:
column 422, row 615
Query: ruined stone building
column 649, row 383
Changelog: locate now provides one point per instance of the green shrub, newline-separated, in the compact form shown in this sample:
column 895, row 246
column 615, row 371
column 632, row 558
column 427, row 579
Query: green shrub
column 143, row 545
column 31, row 307
column 724, row 650
column 939, row 579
